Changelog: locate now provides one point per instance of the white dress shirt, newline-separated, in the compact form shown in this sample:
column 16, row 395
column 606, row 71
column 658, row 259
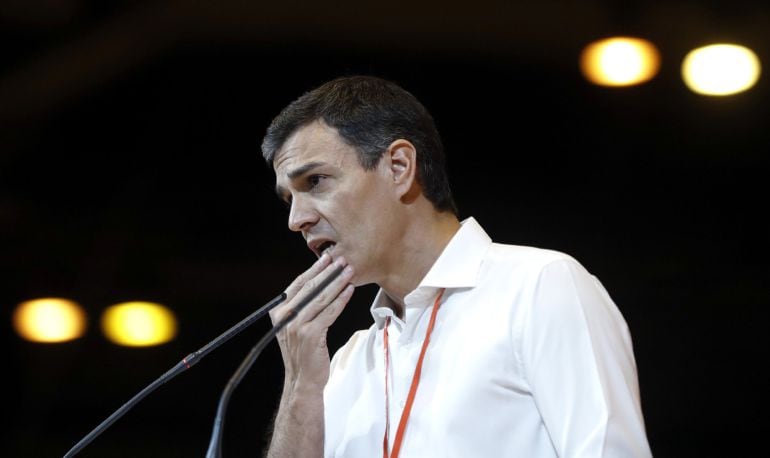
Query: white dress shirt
column 529, row 358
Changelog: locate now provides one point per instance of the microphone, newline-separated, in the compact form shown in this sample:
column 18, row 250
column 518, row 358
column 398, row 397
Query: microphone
column 186, row 363
column 215, row 444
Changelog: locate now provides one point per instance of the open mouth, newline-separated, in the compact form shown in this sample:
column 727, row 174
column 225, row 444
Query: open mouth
column 325, row 246
column 318, row 245
column 320, row 248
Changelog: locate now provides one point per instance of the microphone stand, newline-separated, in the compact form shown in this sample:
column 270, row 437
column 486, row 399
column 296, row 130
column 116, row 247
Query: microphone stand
column 186, row 363
column 215, row 444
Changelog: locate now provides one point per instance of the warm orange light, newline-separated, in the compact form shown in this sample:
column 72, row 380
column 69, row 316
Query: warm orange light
column 49, row 320
column 720, row 69
column 620, row 61
column 139, row 324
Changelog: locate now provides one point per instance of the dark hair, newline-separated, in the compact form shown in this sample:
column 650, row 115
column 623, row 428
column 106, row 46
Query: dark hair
column 369, row 113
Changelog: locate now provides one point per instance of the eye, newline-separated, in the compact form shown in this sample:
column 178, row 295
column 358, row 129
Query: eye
column 314, row 180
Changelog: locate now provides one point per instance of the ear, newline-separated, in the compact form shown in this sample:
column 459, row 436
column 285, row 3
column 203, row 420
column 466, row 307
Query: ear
column 402, row 167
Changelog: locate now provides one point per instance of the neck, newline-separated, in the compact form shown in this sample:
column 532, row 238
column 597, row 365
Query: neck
column 420, row 246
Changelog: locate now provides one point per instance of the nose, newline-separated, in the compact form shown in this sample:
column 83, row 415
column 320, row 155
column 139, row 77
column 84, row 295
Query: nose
column 302, row 215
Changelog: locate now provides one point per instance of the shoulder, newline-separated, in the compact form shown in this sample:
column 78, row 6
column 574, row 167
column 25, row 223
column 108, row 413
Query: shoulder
column 527, row 260
column 473, row 244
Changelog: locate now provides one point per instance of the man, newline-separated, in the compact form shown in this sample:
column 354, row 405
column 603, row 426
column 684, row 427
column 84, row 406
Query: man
column 477, row 349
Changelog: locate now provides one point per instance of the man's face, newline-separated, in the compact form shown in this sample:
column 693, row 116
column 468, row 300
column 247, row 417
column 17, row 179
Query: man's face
column 334, row 202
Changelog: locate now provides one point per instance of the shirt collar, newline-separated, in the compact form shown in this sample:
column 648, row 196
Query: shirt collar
column 456, row 267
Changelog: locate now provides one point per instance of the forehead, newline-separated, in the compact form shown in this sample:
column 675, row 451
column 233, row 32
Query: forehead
column 314, row 142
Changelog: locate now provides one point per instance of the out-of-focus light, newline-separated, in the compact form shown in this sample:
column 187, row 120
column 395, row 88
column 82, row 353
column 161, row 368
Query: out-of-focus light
column 138, row 324
column 620, row 61
column 49, row 320
column 720, row 69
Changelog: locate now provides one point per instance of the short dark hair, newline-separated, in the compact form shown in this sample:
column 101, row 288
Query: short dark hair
column 369, row 113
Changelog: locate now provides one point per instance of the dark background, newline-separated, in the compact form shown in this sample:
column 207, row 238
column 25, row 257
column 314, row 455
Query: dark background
column 130, row 170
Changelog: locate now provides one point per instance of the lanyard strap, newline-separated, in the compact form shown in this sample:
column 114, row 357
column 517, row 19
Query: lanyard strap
column 412, row 389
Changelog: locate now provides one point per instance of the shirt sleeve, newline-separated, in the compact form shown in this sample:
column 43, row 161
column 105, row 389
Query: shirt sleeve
column 578, row 359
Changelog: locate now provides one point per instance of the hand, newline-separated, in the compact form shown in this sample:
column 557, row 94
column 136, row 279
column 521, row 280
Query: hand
column 303, row 341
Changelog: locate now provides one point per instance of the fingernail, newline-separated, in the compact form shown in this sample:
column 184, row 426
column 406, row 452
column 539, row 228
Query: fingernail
column 348, row 270
column 340, row 261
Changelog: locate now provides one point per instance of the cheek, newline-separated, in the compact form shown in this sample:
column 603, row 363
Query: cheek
column 362, row 229
column 364, row 213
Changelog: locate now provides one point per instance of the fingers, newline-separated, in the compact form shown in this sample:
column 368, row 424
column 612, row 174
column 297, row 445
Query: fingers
column 291, row 291
column 317, row 267
column 307, row 282
column 303, row 340
column 328, row 294
column 329, row 315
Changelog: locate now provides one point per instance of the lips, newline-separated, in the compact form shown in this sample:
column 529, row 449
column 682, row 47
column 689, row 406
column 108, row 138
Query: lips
column 319, row 245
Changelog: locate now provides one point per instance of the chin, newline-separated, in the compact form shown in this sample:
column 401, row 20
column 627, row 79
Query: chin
column 361, row 280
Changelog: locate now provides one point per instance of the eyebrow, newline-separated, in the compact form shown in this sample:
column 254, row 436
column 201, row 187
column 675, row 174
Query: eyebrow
column 298, row 172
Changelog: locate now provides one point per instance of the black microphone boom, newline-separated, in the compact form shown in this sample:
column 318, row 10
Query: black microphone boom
column 215, row 444
column 186, row 363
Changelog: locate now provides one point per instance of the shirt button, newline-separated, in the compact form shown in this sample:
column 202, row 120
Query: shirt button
column 402, row 403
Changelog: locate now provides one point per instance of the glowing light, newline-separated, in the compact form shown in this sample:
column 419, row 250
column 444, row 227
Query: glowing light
column 720, row 69
column 139, row 324
column 49, row 320
column 620, row 61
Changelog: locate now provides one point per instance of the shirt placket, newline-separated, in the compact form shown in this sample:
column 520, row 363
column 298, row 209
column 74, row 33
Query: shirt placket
column 404, row 353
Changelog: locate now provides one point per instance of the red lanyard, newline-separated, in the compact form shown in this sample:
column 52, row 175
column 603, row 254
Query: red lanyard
column 412, row 389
